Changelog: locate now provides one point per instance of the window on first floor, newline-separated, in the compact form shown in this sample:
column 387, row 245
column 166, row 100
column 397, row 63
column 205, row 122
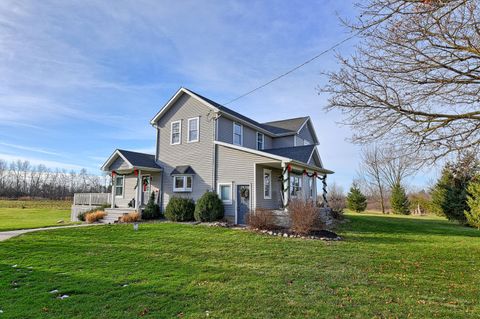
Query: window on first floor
column 225, row 192
column 267, row 184
column 119, row 186
column 182, row 183
column 295, row 185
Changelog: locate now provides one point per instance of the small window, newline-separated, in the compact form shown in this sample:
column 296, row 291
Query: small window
column 237, row 134
column 119, row 186
column 193, row 130
column 260, row 141
column 176, row 132
column 295, row 185
column 267, row 184
column 225, row 193
column 182, row 183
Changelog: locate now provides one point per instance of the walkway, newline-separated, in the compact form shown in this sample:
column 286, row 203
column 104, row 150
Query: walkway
column 4, row 235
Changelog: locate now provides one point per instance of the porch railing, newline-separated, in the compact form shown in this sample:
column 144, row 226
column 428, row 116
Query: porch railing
column 92, row 199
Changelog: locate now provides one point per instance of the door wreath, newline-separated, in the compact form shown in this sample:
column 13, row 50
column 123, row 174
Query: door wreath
column 245, row 192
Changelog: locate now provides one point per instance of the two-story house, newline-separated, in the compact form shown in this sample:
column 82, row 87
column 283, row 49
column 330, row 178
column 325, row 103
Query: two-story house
column 204, row 146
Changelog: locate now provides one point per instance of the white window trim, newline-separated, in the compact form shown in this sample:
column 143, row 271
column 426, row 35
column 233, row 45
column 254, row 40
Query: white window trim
column 270, row 184
column 241, row 134
column 180, row 132
column 184, row 189
column 227, row 202
column 263, row 141
column 123, row 187
column 198, row 129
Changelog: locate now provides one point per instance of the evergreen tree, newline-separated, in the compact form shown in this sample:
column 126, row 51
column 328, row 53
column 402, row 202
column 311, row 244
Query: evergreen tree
column 356, row 201
column 449, row 195
column 473, row 201
column 399, row 200
column 152, row 210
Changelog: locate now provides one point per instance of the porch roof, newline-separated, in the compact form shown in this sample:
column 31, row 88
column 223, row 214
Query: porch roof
column 133, row 160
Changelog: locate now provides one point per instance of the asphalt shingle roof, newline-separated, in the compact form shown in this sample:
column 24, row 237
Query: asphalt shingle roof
column 298, row 153
column 183, row 169
column 140, row 159
column 276, row 127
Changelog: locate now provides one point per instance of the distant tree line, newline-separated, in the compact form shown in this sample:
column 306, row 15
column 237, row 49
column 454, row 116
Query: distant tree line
column 21, row 179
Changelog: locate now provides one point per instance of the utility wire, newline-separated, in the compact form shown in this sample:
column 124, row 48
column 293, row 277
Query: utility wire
column 295, row 68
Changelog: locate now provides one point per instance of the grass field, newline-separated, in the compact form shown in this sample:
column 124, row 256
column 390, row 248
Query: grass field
column 16, row 214
column 387, row 267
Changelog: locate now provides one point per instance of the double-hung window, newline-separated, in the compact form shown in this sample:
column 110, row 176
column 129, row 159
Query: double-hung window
column 225, row 192
column 237, row 134
column 267, row 184
column 260, row 141
column 295, row 185
column 182, row 183
column 193, row 129
column 176, row 132
column 119, row 186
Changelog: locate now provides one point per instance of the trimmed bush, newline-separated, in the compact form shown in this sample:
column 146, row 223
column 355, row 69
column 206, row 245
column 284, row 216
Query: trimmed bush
column 209, row 208
column 261, row 219
column 95, row 216
column 180, row 209
column 152, row 210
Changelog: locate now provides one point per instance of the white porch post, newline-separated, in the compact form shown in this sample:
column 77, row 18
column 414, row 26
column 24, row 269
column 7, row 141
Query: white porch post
column 314, row 185
column 113, row 192
column 286, row 185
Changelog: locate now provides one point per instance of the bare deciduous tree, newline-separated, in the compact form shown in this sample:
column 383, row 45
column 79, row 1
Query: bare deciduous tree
column 414, row 81
column 371, row 170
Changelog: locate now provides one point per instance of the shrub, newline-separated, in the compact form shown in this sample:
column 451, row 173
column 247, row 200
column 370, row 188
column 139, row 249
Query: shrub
column 130, row 217
column 473, row 201
column 152, row 210
column 399, row 200
column 261, row 219
column 81, row 216
column 304, row 216
column 95, row 216
column 209, row 208
column 336, row 201
column 180, row 209
column 356, row 201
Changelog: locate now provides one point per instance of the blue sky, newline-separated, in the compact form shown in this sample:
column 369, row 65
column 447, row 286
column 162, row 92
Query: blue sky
column 79, row 79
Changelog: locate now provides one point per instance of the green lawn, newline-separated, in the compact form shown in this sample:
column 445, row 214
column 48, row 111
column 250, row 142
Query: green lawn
column 18, row 218
column 387, row 267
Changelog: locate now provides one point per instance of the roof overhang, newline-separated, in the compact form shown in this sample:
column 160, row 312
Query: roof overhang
column 276, row 157
column 116, row 154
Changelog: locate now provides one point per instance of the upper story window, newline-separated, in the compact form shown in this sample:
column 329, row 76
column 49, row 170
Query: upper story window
column 237, row 134
column 119, row 186
column 260, row 141
column 193, row 129
column 176, row 132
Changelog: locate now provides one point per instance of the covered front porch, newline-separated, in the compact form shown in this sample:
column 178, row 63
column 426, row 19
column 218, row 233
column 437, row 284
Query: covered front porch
column 135, row 176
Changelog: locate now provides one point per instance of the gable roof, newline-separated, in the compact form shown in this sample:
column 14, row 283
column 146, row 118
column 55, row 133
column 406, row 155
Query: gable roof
column 133, row 159
column 298, row 153
column 183, row 170
column 275, row 128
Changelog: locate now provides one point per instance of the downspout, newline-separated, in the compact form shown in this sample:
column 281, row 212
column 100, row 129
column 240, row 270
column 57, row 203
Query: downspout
column 157, row 151
column 215, row 138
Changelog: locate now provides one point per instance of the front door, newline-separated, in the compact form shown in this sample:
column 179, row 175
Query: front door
column 146, row 188
column 243, row 203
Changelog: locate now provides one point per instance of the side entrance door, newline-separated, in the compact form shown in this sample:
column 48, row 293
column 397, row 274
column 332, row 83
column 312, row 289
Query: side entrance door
column 243, row 203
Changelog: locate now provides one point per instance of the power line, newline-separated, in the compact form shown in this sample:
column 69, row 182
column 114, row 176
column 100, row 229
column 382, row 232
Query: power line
column 295, row 68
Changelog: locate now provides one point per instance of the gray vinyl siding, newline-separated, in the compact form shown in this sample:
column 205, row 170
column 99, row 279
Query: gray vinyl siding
column 306, row 133
column 238, row 167
column 225, row 134
column 118, row 164
column 315, row 160
column 285, row 141
column 276, row 199
column 199, row 155
column 128, row 191
column 298, row 141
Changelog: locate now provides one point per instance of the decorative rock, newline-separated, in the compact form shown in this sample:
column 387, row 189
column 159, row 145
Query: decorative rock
column 285, row 235
column 270, row 232
column 63, row 297
column 54, row 291
column 61, row 221
column 14, row 266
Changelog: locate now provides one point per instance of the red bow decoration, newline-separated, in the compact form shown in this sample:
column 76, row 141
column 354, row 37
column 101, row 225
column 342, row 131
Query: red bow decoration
column 135, row 172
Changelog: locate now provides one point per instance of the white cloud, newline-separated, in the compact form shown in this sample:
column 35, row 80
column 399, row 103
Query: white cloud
column 31, row 149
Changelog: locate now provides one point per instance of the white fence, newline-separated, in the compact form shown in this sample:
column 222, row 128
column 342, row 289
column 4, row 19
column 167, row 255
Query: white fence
column 92, row 199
